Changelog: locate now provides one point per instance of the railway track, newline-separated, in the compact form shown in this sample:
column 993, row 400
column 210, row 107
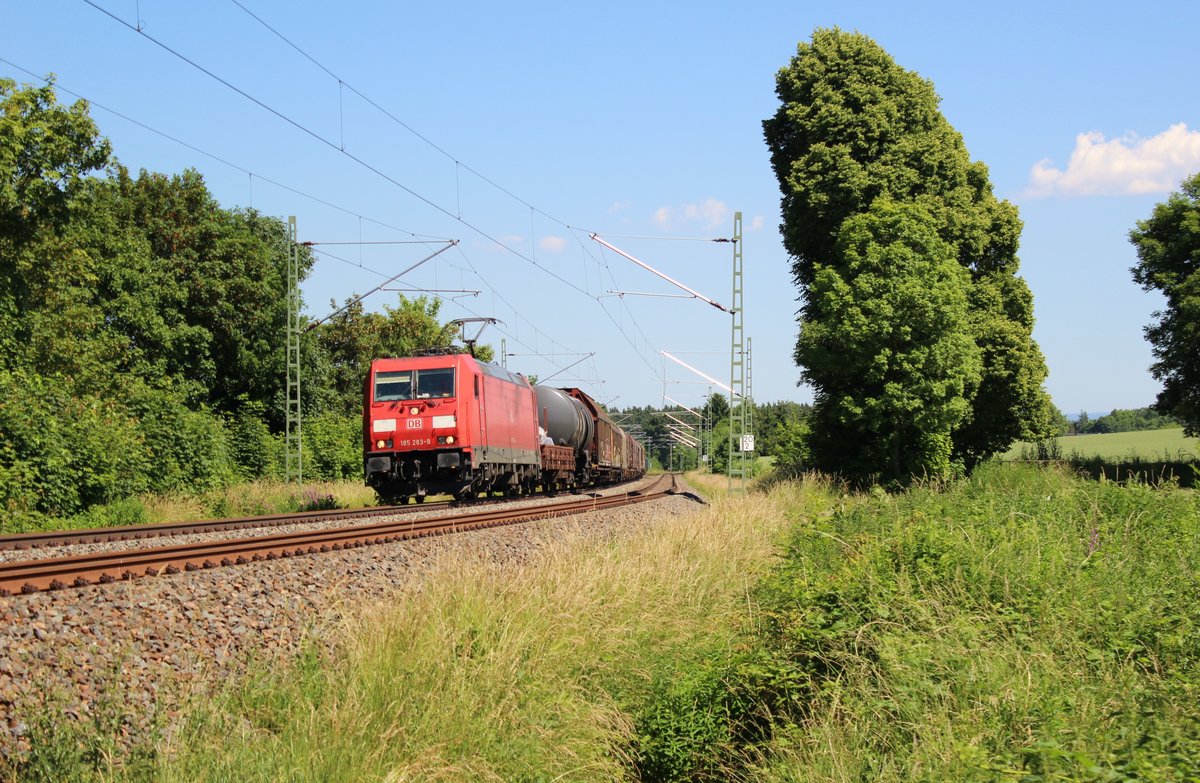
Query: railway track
column 54, row 538
column 18, row 541
column 104, row 567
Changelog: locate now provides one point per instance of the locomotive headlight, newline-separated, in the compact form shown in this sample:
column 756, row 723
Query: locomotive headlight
column 450, row 439
column 379, row 444
column 414, row 411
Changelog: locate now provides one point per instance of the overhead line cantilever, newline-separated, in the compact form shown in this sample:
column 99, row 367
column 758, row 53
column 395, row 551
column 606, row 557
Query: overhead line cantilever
column 670, row 280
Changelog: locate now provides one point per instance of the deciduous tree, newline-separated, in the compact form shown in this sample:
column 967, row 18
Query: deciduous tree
column 890, row 357
column 853, row 127
column 1168, row 248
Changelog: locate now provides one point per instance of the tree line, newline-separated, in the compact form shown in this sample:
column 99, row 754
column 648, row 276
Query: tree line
column 1120, row 420
column 142, row 328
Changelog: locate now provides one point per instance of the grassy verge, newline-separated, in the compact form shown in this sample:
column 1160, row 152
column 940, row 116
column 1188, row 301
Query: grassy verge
column 1023, row 626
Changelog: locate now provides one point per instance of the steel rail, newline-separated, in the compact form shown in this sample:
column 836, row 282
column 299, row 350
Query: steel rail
column 130, row 532
column 52, row 538
column 104, row 567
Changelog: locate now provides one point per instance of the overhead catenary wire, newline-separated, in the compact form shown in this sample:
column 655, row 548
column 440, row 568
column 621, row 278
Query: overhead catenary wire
column 369, row 101
column 448, row 300
column 419, row 196
column 349, row 304
column 427, row 238
column 666, row 239
column 251, row 173
column 459, row 165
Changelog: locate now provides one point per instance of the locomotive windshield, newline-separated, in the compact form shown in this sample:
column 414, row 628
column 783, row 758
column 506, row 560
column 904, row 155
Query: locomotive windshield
column 414, row 384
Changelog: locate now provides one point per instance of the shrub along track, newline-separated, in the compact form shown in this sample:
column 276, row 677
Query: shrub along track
column 105, row 567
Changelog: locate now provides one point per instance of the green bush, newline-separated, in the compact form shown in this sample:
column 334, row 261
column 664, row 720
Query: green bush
column 332, row 447
column 60, row 454
column 255, row 451
column 1034, row 612
column 1023, row 625
column 188, row 450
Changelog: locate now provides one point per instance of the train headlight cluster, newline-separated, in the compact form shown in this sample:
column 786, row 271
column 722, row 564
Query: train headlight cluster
column 414, row 411
column 383, row 444
column 446, row 440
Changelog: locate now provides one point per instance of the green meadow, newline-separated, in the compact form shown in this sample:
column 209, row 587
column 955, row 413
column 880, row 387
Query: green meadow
column 1146, row 444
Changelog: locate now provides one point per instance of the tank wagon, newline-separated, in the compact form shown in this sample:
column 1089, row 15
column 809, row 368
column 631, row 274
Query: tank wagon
column 604, row 452
column 450, row 424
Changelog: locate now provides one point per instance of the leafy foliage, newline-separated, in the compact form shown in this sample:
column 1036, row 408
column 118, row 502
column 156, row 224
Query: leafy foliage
column 141, row 329
column 888, row 353
column 854, row 128
column 1168, row 248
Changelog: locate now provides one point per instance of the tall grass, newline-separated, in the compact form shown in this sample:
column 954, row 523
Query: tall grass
column 498, row 671
column 1023, row 626
column 251, row 498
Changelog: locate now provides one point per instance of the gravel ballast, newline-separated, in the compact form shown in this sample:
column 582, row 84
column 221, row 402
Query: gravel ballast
column 148, row 642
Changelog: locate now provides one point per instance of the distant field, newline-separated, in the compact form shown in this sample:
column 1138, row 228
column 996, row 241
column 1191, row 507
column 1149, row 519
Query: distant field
column 1148, row 444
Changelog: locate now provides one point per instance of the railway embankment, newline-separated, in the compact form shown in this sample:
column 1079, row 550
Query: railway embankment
column 129, row 654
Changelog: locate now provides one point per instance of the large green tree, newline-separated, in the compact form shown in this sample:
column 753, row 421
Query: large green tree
column 1168, row 248
column 47, row 152
column 193, row 292
column 854, row 127
column 891, row 356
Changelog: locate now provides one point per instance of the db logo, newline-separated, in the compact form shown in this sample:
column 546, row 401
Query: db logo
column 414, row 424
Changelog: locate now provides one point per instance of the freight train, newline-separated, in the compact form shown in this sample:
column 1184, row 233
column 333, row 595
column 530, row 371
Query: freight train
column 450, row 424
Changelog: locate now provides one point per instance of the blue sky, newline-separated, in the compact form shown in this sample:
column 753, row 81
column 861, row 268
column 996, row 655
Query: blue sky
column 521, row 128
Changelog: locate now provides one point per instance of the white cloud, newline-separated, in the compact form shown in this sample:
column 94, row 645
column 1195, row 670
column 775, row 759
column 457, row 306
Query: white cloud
column 552, row 244
column 1124, row 166
column 709, row 213
column 619, row 206
column 757, row 223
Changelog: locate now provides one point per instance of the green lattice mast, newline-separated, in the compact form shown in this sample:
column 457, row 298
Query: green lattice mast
column 294, row 446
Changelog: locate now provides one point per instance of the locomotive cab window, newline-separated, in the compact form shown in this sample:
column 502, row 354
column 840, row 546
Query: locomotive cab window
column 390, row 386
column 414, row 384
column 435, row 383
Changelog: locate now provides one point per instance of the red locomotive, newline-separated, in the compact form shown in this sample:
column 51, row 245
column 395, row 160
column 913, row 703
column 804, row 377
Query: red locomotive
column 452, row 424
